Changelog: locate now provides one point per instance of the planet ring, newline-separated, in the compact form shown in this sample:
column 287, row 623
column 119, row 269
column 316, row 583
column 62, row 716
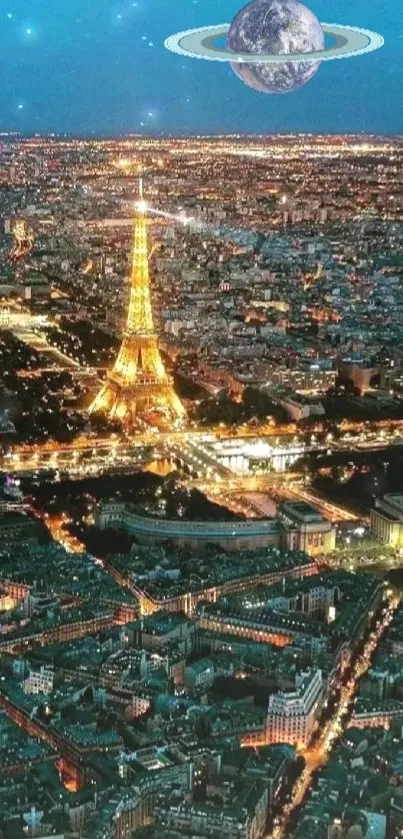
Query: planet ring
column 201, row 43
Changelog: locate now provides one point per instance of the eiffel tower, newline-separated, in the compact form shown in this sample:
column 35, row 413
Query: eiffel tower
column 138, row 382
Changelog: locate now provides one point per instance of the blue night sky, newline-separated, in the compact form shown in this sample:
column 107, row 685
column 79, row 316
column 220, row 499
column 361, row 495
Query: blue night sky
column 82, row 66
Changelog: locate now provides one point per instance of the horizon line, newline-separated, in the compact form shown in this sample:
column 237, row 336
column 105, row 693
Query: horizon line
column 93, row 135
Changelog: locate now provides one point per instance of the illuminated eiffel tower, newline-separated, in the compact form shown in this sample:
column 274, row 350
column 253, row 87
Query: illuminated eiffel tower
column 138, row 382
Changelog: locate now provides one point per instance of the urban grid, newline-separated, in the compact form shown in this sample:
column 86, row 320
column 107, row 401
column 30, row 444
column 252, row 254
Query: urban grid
column 201, row 487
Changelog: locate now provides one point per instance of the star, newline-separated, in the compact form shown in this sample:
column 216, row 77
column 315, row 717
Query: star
column 28, row 31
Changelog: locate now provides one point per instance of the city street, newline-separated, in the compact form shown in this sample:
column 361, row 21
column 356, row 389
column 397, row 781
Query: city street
column 319, row 755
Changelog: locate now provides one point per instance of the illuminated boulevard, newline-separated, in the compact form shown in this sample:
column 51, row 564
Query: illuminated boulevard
column 356, row 435
column 317, row 756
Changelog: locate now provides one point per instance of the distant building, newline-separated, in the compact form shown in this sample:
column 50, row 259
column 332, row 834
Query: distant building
column 299, row 408
column 39, row 602
column 395, row 826
column 304, row 529
column 231, row 811
column 19, row 527
column 234, row 535
column 358, row 370
column 308, row 379
column 315, row 596
column 387, row 519
column 299, row 527
column 167, row 658
column 39, row 681
column 161, row 628
column 371, row 713
column 202, row 673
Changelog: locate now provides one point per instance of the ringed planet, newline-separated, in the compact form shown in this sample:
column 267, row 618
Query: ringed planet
column 275, row 46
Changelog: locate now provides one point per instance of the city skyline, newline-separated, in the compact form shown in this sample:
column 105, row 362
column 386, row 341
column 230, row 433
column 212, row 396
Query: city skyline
column 45, row 50
column 201, row 622
column 201, row 420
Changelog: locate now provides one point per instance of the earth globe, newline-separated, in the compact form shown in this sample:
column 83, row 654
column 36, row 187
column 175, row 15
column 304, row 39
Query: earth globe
column 275, row 27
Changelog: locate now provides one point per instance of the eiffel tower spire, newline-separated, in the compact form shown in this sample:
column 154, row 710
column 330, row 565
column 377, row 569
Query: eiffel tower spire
column 140, row 316
column 138, row 382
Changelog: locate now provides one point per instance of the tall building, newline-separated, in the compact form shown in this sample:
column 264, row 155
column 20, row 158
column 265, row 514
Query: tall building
column 138, row 383
column 387, row 519
column 292, row 715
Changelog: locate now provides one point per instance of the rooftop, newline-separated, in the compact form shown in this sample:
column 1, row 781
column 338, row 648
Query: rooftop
column 301, row 511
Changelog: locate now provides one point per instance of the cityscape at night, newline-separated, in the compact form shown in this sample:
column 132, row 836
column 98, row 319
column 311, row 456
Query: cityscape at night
column 201, row 422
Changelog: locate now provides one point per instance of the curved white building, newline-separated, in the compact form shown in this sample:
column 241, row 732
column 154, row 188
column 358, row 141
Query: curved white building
column 292, row 715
